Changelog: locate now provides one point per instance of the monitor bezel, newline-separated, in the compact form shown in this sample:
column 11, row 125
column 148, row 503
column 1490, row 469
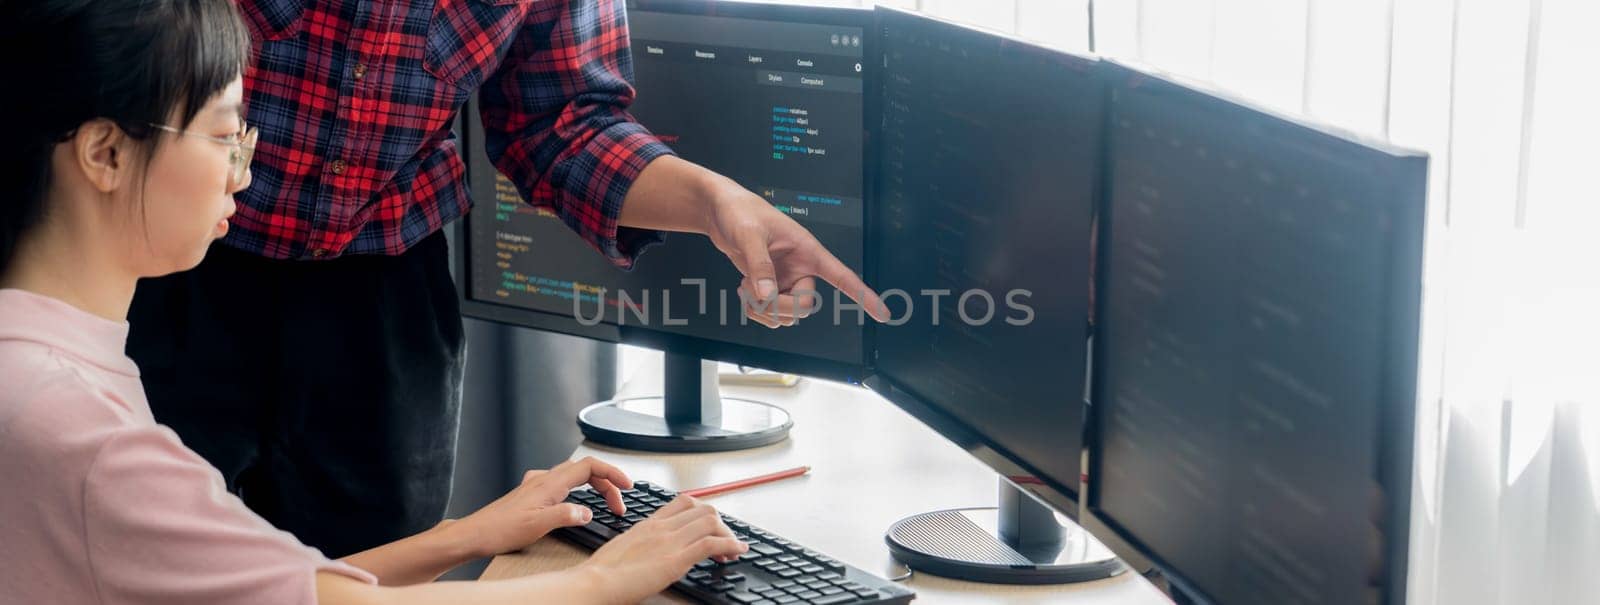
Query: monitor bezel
column 1396, row 414
column 709, row 349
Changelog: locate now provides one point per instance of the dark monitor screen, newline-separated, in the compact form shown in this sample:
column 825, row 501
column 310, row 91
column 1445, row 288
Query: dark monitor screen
column 1255, row 349
column 770, row 96
column 986, row 189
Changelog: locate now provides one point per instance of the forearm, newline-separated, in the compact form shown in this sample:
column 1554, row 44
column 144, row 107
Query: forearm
column 420, row 558
column 570, row 586
column 673, row 194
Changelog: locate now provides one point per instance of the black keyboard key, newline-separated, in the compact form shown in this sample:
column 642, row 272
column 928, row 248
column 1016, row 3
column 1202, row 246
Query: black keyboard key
column 838, row 599
column 786, row 600
column 832, row 564
column 830, row 590
column 743, row 597
column 705, row 564
column 829, row 576
column 817, row 585
column 787, row 573
column 782, row 584
column 811, row 568
column 808, row 595
column 866, row 593
column 767, row 549
column 721, row 587
column 789, row 559
column 733, row 576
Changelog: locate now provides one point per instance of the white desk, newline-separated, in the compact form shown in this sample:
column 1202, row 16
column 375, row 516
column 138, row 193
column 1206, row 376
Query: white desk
column 872, row 464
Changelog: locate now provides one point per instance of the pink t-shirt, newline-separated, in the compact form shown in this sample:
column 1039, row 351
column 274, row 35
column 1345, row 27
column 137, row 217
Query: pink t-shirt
column 98, row 503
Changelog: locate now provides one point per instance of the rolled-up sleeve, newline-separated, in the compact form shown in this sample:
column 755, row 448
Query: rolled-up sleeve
column 556, row 123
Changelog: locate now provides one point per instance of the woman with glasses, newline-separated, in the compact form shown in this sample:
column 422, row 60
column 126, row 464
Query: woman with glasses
column 125, row 145
column 242, row 143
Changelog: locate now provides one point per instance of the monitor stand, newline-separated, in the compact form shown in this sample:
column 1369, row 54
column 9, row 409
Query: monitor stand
column 1021, row 542
column 690, row 416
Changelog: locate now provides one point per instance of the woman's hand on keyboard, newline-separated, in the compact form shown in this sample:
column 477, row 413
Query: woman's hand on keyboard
column 657, row 551
column 535, row 508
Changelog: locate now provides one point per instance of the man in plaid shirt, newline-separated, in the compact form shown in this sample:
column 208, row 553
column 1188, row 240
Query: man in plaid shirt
column 315, row 357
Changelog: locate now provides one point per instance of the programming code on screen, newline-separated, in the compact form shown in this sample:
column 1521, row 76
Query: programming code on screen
column 775, row 106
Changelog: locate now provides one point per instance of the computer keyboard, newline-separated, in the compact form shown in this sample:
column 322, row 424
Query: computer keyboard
column 775, row 571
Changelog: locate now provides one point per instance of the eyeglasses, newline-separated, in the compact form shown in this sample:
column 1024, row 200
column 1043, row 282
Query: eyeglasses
column 242, row 142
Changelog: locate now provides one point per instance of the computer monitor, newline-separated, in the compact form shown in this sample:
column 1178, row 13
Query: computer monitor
column 980, row 245
column 1255, row 350
column 771, row 96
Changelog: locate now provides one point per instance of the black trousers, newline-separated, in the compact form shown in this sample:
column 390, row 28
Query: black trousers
column 327, row 393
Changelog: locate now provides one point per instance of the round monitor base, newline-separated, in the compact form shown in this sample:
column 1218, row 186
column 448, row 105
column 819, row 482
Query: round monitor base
column 640, row 424
column 965, row 544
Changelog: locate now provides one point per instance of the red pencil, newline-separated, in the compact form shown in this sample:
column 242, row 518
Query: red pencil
column 712, row 490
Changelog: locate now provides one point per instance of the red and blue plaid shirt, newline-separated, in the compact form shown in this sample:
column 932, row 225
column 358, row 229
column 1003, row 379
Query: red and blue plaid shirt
column 355, row 102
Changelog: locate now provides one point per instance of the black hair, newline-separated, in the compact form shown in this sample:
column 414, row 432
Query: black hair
column 133, row 62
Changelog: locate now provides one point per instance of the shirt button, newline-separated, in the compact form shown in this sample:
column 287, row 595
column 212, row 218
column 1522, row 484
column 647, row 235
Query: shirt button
column 360, row 71
column 337, row 166
column 319, row 253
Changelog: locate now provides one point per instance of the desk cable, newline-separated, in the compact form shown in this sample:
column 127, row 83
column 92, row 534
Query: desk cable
column 902, row 577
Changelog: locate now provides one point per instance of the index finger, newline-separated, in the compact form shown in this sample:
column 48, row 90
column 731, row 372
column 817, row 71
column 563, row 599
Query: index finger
column 834, row 272
column 677, row 505
column 605, row 478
